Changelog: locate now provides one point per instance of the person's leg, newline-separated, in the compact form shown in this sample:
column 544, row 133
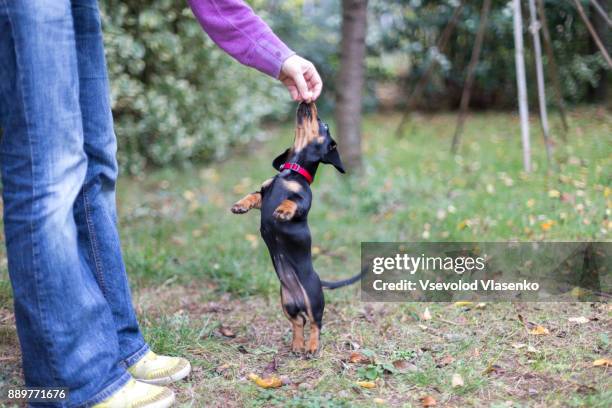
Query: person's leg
column 65, row 326
column 94, row 209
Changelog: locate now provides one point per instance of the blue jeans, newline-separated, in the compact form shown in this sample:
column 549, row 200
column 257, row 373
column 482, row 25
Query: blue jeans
column 75, row 320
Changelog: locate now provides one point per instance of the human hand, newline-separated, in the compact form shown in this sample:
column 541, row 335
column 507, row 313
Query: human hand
column 301, row 79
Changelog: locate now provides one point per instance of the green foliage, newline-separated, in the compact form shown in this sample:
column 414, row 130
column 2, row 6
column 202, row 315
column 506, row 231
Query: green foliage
column 408, row 30
column 176, row 97
column 313, row 31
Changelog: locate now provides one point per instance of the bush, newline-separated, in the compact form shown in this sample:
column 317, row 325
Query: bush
column 176, row 97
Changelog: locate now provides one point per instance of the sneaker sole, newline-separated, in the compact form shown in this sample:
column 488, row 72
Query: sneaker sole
column 165, row 403
column 179, row 375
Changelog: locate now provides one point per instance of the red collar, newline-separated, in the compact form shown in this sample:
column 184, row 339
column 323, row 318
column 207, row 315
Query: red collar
column 298, row 169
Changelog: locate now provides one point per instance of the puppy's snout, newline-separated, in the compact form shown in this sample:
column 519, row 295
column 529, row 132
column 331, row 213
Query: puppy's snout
column 306, row 111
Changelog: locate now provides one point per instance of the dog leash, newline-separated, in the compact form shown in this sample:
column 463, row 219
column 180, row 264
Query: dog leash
column 298, row 169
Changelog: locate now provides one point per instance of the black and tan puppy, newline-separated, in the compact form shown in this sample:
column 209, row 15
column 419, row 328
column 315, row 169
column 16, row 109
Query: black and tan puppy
column 284, row 201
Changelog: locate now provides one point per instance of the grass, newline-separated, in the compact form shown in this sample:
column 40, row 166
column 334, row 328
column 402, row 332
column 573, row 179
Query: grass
column 195, row 267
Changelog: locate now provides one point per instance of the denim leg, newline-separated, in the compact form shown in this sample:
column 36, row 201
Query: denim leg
column 65, row 326
column 95, row 209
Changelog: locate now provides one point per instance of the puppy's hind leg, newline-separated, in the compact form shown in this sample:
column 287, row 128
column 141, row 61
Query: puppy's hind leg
column 297, row 320
column 315, row 315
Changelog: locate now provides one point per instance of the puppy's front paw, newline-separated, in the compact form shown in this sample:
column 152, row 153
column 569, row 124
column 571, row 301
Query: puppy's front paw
column 252, row 200
column 285, row 211
column 239, row 208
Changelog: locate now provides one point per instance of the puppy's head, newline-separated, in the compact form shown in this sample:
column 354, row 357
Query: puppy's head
column 313, row 142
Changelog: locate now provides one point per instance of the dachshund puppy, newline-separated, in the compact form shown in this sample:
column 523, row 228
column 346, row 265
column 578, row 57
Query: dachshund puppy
column 284, row 201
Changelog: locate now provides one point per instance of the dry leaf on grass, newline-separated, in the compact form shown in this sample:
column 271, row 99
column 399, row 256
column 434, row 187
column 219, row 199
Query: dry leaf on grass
column 270, row 382
column 539, row 331
column 444, row 361
column 426, row 314
column 494, row 369
column 602, row 362
column 404, row 366
column 379, row 401
column 578, row 320
column 222, row 369
column 428, row 401
column 253, row 239
column 463, row 304
column 358, row 358
column 457, row 380
column 366, row 384
column 227, row 332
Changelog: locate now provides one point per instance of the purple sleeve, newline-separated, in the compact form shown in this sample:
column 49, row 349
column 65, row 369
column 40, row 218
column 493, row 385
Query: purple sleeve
column 234, row 27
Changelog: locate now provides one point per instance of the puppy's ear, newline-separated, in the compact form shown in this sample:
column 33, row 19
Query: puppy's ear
column 333, row 157
column 280, row 160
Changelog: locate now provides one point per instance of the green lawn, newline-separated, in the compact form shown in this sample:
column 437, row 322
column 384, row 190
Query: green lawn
column 195, row 266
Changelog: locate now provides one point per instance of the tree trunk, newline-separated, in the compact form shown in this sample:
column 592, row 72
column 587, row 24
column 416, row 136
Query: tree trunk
column 351, row 81
column 467, row 87
column 593, row 33
column 601, row 24
column 537, row 49
column 553, row 71
column 521, row 83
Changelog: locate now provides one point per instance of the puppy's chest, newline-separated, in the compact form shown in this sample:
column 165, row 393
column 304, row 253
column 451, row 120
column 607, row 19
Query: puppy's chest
column 273, row 195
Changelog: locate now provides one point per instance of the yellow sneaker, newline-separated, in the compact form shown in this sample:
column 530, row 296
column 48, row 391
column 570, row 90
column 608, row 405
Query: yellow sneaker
column 136, row 394
column 160, row 370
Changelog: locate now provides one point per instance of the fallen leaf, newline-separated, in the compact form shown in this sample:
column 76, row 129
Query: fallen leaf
column 366, row 384
column 426, row 314
column 444, row 361
column 270, row 382
column 227, row 332
column 188, row 195
column 578, row 320
column 547, row 225
column 457, row 380
column 463, row 303
column 539, row 331
column 494, row 369
column 519, row 346
column 554, row 193
column 428, row 401
column 222, row 369
column 379, row 401
column 252, row 238
column 578, row 292
column 602, row 362
column 358, row 358
column 404, row 365
column 532, row 350
column 568, row 198
column 585, row 389
column 481, row 305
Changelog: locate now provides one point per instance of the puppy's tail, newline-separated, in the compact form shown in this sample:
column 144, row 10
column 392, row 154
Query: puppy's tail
column 344, row 282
